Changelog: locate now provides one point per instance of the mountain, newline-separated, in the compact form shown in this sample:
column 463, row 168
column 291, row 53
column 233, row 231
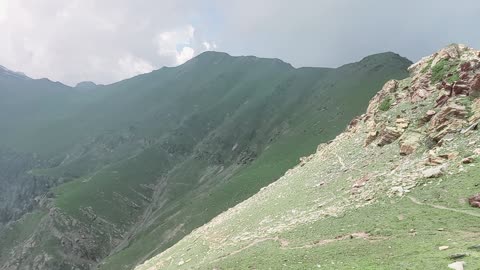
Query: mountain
column 398, row 189
column 124, row 171
column 5, row 72
column 87, row 85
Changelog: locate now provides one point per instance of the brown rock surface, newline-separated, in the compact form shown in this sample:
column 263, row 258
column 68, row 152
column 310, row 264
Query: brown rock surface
column 389, row 135
column 474, row 201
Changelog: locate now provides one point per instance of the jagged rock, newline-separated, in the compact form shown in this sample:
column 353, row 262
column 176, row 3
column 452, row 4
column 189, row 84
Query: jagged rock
column 353, row 123
column 389, row 135
column 460, row 88
column 449, row 119
column 388, row 87
column 401, row 123
column 420, row 65
column 434, row 172
column 475, row 83
column 450, row 52
column 370, row 137
column 434, row 160
column 409, row 142
column 467, row 160
column 426, row 118
column 475, row 111
column 467, row 66
column 474, row 201
column 441, row 100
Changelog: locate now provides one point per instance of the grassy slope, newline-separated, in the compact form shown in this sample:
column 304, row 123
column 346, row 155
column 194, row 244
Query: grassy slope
column 313, row 218
column 310, row 218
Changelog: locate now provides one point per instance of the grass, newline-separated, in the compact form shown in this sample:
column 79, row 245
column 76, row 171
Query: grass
column 386, row 104
column 444, row 67
column 391, row 221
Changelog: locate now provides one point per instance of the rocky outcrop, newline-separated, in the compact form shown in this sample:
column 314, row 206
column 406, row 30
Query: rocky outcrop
column 449, row 119
column 474, row 201
column 409, row 142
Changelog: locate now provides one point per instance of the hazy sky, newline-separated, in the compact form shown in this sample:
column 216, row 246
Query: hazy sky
column 108, row 40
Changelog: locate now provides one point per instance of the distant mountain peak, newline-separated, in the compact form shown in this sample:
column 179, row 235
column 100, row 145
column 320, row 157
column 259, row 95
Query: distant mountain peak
column 213, row 57
column 6, row 72
column 86, row 85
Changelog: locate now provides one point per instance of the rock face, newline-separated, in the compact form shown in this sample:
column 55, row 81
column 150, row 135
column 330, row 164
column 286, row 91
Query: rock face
column 19, row 189
column 450, row 119
column 409, row 142
column 389, row 135
column 451, row 78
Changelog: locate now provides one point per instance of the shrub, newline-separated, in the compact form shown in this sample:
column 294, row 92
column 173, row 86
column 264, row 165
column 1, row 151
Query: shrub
column 386, row 104
column 444, row 67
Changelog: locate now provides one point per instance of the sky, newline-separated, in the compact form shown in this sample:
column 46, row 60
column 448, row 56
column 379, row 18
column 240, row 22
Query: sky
column 109, row 40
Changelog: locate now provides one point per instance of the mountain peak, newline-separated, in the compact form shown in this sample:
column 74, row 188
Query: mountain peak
column 214, row 57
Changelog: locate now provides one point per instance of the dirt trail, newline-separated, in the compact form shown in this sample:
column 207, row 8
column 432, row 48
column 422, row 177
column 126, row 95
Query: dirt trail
column 416, row 201
column 284, row 243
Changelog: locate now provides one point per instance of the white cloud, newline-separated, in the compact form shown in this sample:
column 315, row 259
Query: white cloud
column 76, row 40
column 186, row 54
column 175, row 44
column 3, row 10
column 206, row 45
column 131, row 66
column 101, row 41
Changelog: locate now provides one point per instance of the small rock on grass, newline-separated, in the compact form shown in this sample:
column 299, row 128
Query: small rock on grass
column 457, row 265
column 443, row 248
column 433, row 172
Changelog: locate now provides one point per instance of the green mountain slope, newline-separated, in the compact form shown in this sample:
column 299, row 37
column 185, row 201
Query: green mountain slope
column 391, row 192
column 149, row 159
